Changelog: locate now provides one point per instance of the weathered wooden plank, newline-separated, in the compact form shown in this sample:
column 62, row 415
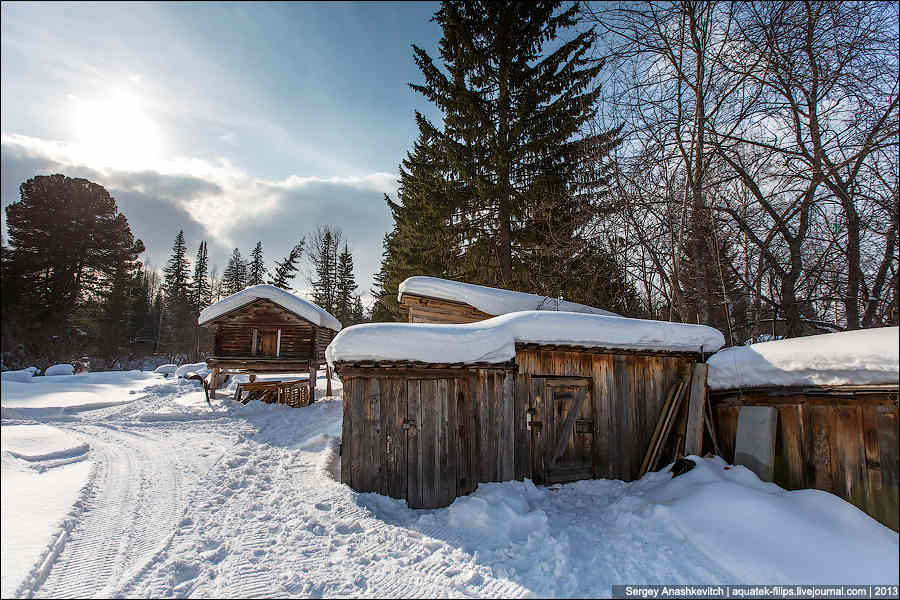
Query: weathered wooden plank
column 850, row 456
column 508, row 453
column 887, row 442
column 563, row 431
column 428, row 438
column 623, row 427
column 603, row 384
column 538, row 429
column 876, row 506
column 791, row 433
column 347, row 430
column 358, row 439
column 822, row 430
column 374, row 449
column 693, row 440
column 520, row 429
column 413, row 448
column 446, row 466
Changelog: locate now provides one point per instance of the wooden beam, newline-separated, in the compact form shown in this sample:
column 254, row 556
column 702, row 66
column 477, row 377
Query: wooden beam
column 693, row 439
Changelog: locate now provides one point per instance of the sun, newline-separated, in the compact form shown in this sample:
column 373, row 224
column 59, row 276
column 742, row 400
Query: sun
column 115, row 131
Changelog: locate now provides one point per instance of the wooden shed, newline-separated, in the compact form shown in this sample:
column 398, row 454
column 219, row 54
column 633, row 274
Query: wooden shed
column 432, row 410
column 434, row 300
column 836, row 397
column 265, row 329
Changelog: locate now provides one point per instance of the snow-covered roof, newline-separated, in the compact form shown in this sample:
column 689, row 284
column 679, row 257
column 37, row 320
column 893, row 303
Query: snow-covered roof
column 282, row 298
column 493, row 301
column 862, row 357
column 493, row 340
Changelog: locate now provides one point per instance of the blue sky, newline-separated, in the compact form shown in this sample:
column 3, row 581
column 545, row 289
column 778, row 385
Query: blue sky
column 235, row 122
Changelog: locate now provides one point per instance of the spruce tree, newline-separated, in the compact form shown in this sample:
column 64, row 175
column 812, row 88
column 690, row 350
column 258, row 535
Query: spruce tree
column 256, row 271
column 525, row 179
column 323, row 256
column 179, row 328
column 358, row 312
column 201, row 290
column 286, row 270
column 235, row 277
column 345, row 285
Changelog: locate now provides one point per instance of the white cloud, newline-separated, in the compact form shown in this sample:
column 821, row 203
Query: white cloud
column 222, row 202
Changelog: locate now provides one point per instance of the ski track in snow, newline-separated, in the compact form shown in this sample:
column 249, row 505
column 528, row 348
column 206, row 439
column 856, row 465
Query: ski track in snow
column 186, row 501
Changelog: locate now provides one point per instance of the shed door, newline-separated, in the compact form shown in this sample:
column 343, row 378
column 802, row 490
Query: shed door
column 268, row 342
column 567, row 429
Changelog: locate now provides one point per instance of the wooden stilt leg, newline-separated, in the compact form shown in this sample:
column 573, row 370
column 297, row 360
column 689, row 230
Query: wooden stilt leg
column 313, row 370
column 213, row 382
column 327, row 380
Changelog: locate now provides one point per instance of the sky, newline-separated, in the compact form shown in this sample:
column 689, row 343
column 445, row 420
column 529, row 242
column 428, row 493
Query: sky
column 233, row 122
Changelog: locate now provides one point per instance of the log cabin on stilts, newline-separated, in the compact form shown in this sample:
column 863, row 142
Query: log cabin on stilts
column 265, row 329
column 431, row 410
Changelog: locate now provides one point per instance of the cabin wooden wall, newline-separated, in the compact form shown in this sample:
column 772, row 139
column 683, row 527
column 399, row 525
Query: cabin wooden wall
column 845, row 444
column 233, row 333
column 427, row 436
column 419, row 309
column 431, row 435
column 627, row 396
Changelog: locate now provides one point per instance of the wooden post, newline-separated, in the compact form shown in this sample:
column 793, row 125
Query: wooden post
column 253, row 343
column 327, row 379
column 693, row 439
column 313, row 368
column 213, row 382
column 252, row 377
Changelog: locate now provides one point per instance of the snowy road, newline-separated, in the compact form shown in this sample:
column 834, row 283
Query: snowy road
column 236, row 501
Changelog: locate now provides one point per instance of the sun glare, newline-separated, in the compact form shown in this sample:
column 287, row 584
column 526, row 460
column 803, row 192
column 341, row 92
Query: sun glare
column 115, row 131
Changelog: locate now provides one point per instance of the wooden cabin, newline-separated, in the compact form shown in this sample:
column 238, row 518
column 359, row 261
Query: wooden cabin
column 429, row 431
column 434, row 300
column 836, row 398
column 265, row 329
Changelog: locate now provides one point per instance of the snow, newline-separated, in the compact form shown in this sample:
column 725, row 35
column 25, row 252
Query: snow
column 68, row 394
column 283, row 298
column 23, row 376
column 61, row 369
column 192, row 369
column 188, row 499
column 43, row 471
column 493, row 340
column 493, row 301
column 861, row 357
column 166, row 369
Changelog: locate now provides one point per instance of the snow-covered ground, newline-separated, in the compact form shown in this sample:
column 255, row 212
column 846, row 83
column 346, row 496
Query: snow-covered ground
column 178, row 498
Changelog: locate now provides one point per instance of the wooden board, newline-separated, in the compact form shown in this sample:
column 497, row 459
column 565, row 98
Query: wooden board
column 693, row 440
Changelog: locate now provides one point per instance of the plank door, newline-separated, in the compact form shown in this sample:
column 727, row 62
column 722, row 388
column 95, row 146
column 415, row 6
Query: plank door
column 431, row 442
column 268, row 341
column 568, row 428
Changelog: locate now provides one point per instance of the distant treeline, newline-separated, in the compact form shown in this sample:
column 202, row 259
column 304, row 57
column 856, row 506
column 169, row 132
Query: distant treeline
column 73, row 284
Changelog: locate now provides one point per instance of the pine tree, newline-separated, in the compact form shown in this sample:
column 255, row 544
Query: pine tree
column 234, row 279
column 387, row 280
column 345, row 285
column 323, row 256
column 524, row 180
column 256, row 272
column 201, row 290
column 286, row 270
column 358, row 312
column 176, row 272
column 179, row 330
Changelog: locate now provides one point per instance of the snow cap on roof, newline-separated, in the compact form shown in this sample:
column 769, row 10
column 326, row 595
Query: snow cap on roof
column 493, row 340
column 493, row 301
column 282, row 298
column 861, row 357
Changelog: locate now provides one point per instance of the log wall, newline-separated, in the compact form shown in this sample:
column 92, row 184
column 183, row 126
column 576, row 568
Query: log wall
column 421, row 309
column 840, row 441
column 431, row 435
